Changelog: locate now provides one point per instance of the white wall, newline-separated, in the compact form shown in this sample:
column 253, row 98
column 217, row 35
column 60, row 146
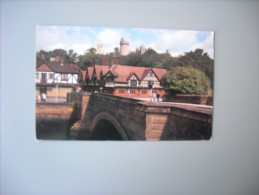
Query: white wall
column 226, row 165
column 48, row 80
column 71, row 78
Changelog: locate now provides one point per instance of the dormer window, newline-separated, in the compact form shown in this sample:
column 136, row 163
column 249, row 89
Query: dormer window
column 133, row 83
column 151, row 74
column 109, row 78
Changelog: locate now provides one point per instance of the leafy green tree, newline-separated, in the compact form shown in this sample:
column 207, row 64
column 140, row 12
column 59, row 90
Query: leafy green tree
column 186, row 80
column 133, row 59
column 165, row 61
column 150, row 58
column 197, row 59
column 90, row 58
column 59, row 52
column 43, row 55
column 68, row 57
column 71, row 57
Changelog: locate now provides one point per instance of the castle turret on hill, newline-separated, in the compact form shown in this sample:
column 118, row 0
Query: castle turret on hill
column 124, row 47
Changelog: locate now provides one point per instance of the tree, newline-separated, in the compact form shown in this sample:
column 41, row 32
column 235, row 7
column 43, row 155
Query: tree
column 186, row 80
column 72, row 57
column 165, row 61
column 90, row 58
column 59, row 52
column 197, row 59
column 43, row 55
column 150, row 58
column 132, row 59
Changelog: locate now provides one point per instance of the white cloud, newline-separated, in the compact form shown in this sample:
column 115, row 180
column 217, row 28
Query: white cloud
column 48, row 36
column 110, row 39
column 82, row 38
column 207, row 45
column 135, row 44
column 176, row 42
column 53, row 37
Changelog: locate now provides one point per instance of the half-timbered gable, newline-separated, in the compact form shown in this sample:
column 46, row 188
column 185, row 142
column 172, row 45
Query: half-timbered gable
column 109, row 79
column 150, row 79
column 56, row 79
column 56, row 73
column 127, row 81
column 44, row 68
column 44, row 73
column 133, row 80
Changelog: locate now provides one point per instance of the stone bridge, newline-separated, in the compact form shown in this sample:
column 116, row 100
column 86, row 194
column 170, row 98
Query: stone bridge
column 107, row 117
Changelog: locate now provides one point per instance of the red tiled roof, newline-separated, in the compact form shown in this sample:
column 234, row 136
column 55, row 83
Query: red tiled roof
column 75, row 66
column 101, row 69
column 123, row 73
column 83, row 75
column 90, row 71
column 131, row 74
column 147, row 70
column 58, row 68
column 159, row 72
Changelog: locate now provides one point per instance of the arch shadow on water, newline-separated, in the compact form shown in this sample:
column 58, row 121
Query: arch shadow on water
column 106, row 127
column 105, row 130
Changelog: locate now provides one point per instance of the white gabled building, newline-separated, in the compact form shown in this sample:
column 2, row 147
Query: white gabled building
column 56, row 79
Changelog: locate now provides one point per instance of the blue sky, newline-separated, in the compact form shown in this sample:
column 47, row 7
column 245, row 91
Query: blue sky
column 81, row 38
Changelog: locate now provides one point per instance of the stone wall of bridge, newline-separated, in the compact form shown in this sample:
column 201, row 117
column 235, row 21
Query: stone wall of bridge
column 139, row 120
column 124, row 113
column 192, row 99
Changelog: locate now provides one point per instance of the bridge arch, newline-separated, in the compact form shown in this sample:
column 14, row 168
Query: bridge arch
column 105, row 126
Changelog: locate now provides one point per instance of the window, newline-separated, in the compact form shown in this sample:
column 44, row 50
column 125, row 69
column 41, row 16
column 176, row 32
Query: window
column 151, row 74
column 144, row 91
column 37, row 75
column 43, row 76
column 150, row 84
column 132, row 91
column 51, row 75
column 109, row 79
column 133, row 83
column 121, row 90
column 64, row 77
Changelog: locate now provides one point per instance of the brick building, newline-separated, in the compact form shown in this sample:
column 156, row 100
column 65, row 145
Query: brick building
column 124, row 81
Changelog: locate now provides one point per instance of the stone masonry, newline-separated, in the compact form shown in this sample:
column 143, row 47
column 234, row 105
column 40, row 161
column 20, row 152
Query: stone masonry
column 139, row 120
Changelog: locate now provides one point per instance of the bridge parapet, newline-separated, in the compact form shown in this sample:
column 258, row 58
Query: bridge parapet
column 176, row 121
column 139, row 120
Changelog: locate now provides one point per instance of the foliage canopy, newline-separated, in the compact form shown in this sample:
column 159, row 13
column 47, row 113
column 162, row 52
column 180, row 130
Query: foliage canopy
column 186, row 80
column 198, row 79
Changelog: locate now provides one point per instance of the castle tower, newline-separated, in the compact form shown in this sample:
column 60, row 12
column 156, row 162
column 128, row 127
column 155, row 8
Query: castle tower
column 124, row 47
column 99, row 49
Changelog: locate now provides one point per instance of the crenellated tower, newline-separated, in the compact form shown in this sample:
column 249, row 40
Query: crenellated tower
column 124, row 47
